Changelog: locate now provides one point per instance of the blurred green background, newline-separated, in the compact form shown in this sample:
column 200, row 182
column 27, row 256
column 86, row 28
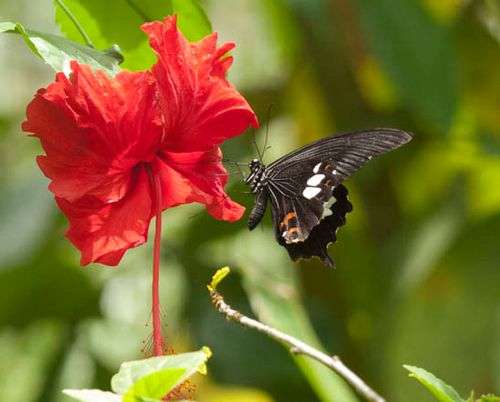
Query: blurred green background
column 418, row 264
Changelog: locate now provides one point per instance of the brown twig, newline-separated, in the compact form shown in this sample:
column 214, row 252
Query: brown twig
column 295, row 345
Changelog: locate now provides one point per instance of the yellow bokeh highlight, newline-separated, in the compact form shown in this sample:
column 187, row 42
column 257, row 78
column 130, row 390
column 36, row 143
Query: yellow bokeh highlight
column 444, row 11
column 310, row 110
column 375, row 86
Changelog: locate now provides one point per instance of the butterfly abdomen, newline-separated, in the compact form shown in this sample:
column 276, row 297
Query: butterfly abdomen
column 258, row 210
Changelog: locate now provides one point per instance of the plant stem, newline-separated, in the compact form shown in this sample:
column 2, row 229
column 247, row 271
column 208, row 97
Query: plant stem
column 158, row 343
column 296, row 346
column 77, row 24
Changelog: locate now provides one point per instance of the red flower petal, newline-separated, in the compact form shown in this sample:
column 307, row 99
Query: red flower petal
column 102, row 135
column 103, row 232
column 202, row 177
column 94, row 129
column 200, row 108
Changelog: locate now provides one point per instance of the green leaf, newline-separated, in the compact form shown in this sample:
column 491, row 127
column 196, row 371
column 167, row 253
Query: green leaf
column 57, row 51
column 217, row 278
column 119, row 21
column 442, row 391
column 92, row 395
column 148, row 380
column 418, row 55
column 192, row 20
column 115, row 22
column 154, row 386
column 431, row 241
column 132, row 371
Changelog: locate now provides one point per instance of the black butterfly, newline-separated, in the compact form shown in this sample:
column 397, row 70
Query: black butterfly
column 308, row 201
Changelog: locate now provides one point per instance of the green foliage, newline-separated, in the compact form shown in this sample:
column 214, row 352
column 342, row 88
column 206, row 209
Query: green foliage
column 192, row 20
column 130, row 372
column 154, row 386
column 284, row 28
column 418, row 54
column 442, row 391
column 217, row 278
column 118, row 22
column 417, row 263
column 57, row 52
column 430, row 243
column 147, row 380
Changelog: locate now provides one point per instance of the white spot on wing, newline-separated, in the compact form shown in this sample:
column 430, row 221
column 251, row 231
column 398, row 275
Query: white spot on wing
column 315, row 180
column 326, row 212
column 316, row 168
column 311, row 192
column 326, row 207
column 330, row 202
column 284, row 233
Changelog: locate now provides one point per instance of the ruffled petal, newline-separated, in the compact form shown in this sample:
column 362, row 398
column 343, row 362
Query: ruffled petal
column 104, row 232
column 197, row 177
column 94, row 129
column 200, row 108
column 102, row 135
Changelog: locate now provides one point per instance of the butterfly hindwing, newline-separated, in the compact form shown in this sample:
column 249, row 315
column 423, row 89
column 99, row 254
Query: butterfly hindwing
column 325, row 232
column 297, row 212
column 294, row 219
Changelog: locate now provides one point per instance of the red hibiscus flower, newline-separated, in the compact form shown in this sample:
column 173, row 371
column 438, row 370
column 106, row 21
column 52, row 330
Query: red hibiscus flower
column 119, row 150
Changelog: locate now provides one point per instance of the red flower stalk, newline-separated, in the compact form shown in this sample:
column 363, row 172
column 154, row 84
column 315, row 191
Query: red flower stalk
column 120, row 150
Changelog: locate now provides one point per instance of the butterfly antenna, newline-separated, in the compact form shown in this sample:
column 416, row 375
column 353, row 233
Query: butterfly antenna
column 234, row 162
column 238, row 166
column 254, row 140
column 241, row 172
column 268, row 123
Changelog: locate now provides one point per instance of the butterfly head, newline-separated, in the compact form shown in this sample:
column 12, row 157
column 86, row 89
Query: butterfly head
column 255, row 177
column 254, row 165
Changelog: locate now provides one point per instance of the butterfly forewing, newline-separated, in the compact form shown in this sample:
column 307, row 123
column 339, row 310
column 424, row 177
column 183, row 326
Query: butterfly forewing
column 348, row 152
